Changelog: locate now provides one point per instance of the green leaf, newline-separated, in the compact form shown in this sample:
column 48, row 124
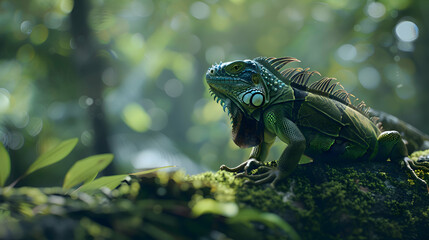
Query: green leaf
column 208, row 205
column 136, row 117
column 53, row 155
column 149, row 171
column 269, row 219
column 91, row 178
column 110, row 182
column 85, row 169
column 5, row 165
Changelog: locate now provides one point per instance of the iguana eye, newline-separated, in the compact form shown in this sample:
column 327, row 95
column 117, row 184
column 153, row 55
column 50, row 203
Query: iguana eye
column 235, row 67
column 256, row 79
column 257, row 99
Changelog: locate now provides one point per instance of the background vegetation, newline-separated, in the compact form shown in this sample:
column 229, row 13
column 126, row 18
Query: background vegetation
column 127, row 77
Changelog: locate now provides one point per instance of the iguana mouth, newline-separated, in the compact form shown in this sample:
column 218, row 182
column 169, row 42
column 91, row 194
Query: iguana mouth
column 221, row 98
column 216, row 77
column 224, row 80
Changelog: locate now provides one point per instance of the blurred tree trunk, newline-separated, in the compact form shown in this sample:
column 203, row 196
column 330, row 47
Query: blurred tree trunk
column 421, row 55
column 90, row 64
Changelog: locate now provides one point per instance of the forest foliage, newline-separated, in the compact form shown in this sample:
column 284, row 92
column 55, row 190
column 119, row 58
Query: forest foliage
column 101, row 93
column 127, row 77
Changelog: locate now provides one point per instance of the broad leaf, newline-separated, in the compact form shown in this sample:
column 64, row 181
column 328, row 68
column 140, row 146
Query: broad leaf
column 207, row 205
column 85, row 169
column 91, row 178
column 4, row 165
column 269, row 219
column 54, row 155
column 110, row 182
column 149, row 171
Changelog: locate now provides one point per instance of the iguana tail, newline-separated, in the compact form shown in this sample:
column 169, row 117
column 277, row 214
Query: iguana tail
column 415, row 139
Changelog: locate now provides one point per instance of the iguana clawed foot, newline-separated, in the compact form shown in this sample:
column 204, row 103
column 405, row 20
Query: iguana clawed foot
column 265, row 174
column 420, row 164
column 245, row 167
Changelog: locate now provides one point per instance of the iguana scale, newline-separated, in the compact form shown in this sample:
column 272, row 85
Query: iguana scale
column 266, row 101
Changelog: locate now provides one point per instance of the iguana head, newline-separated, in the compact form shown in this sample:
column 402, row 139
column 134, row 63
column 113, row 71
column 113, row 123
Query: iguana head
column 239, row 83
column 240, row 88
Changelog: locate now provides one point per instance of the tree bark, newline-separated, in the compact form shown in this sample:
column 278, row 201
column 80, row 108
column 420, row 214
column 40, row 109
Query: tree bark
column 90, row 66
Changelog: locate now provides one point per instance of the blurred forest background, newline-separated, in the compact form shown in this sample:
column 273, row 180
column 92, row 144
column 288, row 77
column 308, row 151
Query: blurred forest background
column 127, row 77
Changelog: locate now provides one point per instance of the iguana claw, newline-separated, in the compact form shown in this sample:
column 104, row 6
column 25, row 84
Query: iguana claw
column 265, row 174
column 245, row 167
column 410, row 165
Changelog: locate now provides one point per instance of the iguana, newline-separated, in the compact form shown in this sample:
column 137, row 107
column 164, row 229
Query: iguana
column 266, row 101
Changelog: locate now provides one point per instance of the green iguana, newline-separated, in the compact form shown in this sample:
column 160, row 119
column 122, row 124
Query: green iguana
column 265, row 101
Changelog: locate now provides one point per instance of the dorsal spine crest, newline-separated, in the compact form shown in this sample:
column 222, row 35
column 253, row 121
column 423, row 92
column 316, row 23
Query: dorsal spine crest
column 299, row 78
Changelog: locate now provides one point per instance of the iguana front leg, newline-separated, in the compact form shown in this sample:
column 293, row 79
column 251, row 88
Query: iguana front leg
column 289, row 133
column 257, row 156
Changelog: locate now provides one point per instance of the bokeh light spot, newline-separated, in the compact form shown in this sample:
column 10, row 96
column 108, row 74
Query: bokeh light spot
column 200, row 10
column 215, row 54
column 53, row 20
column 39, row 34
column 56, row 111
column 137, row 41
column 173, row 88
column 26, row 27
column 363, row 52
column 405, row 46
column 212, row 112
column 407, row 31
column 180, row 22
column 86, row 138
column 25, row 53
column 367, row 25
column 369, row 77
column 321, row 13
column 109, row 77
column 376, row 10
column 347, row 52
column 136, row 118
column 4, row 100
column 405, row 91
column 66, row 6
column 16, row 141
column 20, row 119
column 347, row 78
column 85, row 101
column 142, row 8
column 34, row 126
column 396, row 58
column 159, row 119
column 183, row 67
column 194, row 44
column 221, row 20
column 291, row 17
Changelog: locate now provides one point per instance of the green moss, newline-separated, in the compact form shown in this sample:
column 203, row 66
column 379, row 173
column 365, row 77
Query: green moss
column 356, row 201
column 415, row 155
column 319, row 201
